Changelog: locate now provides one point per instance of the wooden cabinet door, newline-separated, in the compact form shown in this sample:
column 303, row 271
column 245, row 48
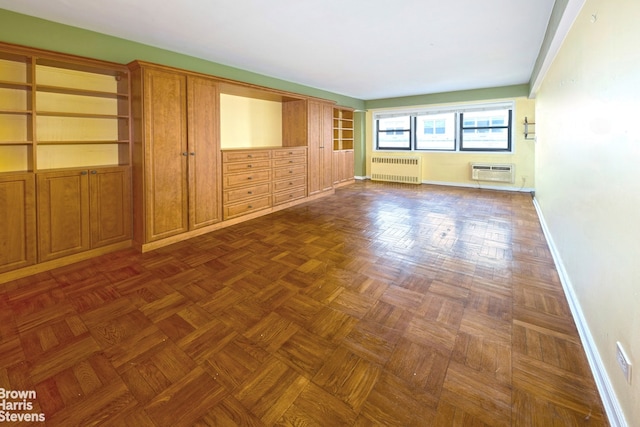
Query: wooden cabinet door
column 63, row 213
column 165, row 154
column 205, row 192
column 18, row 227
column 320, row 142
column 326, row 131
column 349, row 164
column 315, row 147
column 110, row 205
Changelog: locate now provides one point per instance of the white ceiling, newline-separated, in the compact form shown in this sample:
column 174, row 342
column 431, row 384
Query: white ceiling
column 366, row 49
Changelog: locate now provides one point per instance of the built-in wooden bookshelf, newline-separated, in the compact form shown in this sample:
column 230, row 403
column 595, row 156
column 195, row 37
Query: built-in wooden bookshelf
column 60, row 111
column 342, row 128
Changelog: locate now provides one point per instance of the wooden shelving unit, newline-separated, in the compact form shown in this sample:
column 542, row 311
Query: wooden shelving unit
column 59, row 111
column 342, row 129
column 64, row 146
column 16, row 112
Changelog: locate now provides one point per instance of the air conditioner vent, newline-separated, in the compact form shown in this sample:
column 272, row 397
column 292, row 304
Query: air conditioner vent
column 492, row 172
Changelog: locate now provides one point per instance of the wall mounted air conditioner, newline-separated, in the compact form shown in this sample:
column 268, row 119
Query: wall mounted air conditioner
column 493, row 172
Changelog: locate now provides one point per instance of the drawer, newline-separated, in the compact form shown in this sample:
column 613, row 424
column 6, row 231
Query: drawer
column 286, row 161
column 290, row 152
column 288, row 196
column 237, row 195
column 243, row 179
column 243, row 166
column 237, row 209
column 296, row 170
column 242, row 156
column 287, row 184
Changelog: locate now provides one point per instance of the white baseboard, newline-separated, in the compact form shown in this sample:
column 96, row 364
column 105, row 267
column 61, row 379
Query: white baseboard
column 477, row 185
column 609, row 399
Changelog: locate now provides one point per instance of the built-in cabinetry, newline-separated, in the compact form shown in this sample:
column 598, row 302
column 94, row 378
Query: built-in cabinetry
column 319, row 125
column 64, row 157
column 343, row 154
column 289, row 173
column 82, row 209
column 246, row 181
column 258, row 179
column 176, row 154
column 18, row 227
column 95, row 155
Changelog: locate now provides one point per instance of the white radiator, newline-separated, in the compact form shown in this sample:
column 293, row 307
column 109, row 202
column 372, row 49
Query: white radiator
column 396, row 169
column 493, row 172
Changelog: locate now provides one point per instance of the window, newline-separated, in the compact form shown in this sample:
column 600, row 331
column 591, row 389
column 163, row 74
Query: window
column 394, row 133
column 435, row 132
column 486, row 131
column 466, row 128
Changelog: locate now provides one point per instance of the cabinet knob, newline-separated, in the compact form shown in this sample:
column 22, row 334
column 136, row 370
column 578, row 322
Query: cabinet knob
column 83, row 173
column 250, row 206
column 249, row 177
column 249, row 192
column 93, row 172
column 290, row 171
column 249, row 166
column 250, row 155
column 290, row 161
column 192, row 153
column 184, row 153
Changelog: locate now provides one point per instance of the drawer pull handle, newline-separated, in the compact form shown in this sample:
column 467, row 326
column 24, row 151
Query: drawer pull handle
column 290, row 171
column 249, row 166
column 184, row 153
column 250, row 206
column 249, row 177
column 249, row 192
column 290, row 161
column 250, row 156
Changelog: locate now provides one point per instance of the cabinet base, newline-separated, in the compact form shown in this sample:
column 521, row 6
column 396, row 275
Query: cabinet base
column 61, row 262
column 146, row 247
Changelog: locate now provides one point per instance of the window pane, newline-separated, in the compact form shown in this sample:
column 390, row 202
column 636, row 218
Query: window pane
column 394, row 139
column 486, row 130
column 436, row 132
column 394, row 132
column 395, row 123
column 498, row 139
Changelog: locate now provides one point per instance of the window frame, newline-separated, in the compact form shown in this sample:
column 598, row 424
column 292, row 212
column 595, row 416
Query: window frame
column 458, row 110
column 489, row 128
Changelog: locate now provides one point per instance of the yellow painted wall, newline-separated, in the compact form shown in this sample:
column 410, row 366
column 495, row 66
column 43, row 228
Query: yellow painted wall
column 249, row 122
column 588, row 178
column 453, row 168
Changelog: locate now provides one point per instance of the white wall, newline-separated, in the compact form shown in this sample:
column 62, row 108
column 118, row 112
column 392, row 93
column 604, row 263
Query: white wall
column 588, row 179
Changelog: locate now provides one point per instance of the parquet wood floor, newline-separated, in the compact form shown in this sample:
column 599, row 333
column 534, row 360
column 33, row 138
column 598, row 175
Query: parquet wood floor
column 385, row 304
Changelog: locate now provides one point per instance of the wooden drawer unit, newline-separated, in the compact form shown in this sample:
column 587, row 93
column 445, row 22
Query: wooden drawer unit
column 244, row 193
column 290, row 152
column 289, row 174
column 289, row 171
column 234, row 167
column 245, row 155
column 243, row 208
column 246, row 181
column 290, row 195
column 289, row 184
column 248, row 178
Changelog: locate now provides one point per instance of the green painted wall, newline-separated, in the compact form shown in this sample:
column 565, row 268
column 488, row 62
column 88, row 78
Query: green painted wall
column 34, row 32
column 449, row 97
